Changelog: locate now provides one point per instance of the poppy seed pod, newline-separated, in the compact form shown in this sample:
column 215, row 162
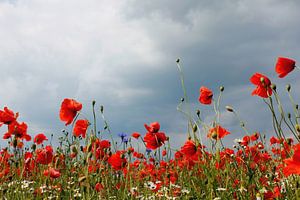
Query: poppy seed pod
column 262, row 79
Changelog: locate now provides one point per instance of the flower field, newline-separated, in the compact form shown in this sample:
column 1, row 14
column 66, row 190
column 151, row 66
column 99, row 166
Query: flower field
column 83, row 165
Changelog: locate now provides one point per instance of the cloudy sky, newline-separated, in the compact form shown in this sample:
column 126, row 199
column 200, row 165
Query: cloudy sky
column 122, row 54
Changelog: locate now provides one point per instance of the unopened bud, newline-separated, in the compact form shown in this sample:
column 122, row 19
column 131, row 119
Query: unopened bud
column 198, row 113
column 74, row 149
column 93, row 102
column 33, row 147
column 229, row 108
column 297, row 127
column 273, row 86
column 222, row 88
column 297, row 106
column 242, row 124
column 182, row 99
column 288, row 87
column 289, row 115
column 195, row 128
column 101, row 109
column 178, row 60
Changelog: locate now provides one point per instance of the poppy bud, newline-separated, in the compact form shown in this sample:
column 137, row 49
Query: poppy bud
column 33, row 147
column 229, row 108
column 89, row 147
column 198, row 113
column 101, row 109
column 189, row 138
column 74, row 149
column 297, row 106
column 93, row 102
column 222, row 88
column 81, row 179
column 288, row 87
column 105, row 127
column 178, row 60
column 273, row 86
column 195, row 128
column 289, row 115
column 242, row 124
column 182, row 99
column 15, row 142
column 297, row 127
column 214, row 135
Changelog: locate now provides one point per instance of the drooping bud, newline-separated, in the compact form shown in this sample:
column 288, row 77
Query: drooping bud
column 182, row 99
column 33, row 147
column 288, row 87
column 297, row 127
column 198, row 113
column 229, row 108
column 178, row 60
column 222, row 88
column 273, row 87
column 101, row 109
column 195, row 128
column 93, row 102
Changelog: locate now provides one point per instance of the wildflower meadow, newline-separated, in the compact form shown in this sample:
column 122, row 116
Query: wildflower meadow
column 84, row 165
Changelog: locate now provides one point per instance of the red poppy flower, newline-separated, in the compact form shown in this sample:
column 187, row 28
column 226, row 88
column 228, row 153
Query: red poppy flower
column 136, row 135
column 19, row 130
column 293, row 164
column 284, row 66
column 154, row 140
column 254, row 136
column 53, row 173
column 153, row 127
column 7, row 116
column 274, row 140
column 99, row 187
column 68, row 110
column 189, row 148
column 217, row 132
column 263, row 84
column 117, row 161
column 40, row 138
column 81, row 127
column 205, row 95
column 45, row 155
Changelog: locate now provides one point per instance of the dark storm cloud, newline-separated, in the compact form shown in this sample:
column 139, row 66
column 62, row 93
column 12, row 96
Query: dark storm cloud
column 123, row 56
